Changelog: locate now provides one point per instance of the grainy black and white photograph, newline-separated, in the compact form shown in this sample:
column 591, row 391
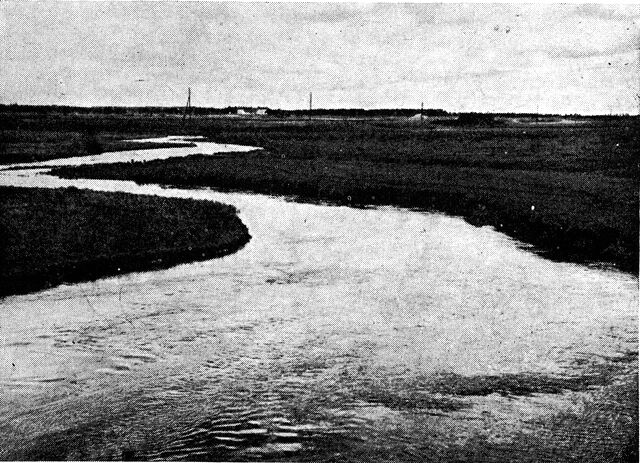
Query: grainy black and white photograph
column 286, row 231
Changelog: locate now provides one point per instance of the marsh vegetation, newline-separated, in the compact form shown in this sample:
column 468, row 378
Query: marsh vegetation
column 54, row 236
column 568, row 190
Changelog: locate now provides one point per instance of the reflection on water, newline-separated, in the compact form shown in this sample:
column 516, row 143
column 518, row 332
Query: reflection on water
column 335, row 333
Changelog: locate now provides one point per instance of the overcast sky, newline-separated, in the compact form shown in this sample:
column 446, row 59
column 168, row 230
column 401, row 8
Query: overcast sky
column 473, row 57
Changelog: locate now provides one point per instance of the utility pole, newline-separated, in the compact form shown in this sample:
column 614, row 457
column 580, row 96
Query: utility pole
column 187, row 108
column 310, row 104
column 422, row 113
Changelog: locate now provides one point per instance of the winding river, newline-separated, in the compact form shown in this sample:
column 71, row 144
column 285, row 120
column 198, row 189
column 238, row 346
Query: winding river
column 336, row 333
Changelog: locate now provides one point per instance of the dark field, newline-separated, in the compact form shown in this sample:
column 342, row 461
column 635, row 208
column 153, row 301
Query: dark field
column 53, row 236
column 43, row 144
column 570, row 190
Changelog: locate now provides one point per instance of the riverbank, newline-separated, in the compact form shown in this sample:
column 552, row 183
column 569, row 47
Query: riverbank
column 68, row 235
column 567, row 215
column 569, row 190
column 41, row 144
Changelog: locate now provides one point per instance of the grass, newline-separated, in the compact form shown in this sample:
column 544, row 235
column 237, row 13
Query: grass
column 50, row 133
column 54, row 236
column 569, row 190
column 20, row 146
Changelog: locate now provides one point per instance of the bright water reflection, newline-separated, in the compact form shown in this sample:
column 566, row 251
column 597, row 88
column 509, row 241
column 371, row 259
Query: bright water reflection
column 326, row 336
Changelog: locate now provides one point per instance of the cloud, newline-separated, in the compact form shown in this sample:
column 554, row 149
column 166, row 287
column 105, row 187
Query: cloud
column 626, row 13
column 586, row 52
column 273, row 54
column 325, row 13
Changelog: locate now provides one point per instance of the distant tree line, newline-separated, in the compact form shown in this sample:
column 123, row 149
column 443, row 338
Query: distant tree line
column 357, row 112
column 468, row 117
column 174, row 110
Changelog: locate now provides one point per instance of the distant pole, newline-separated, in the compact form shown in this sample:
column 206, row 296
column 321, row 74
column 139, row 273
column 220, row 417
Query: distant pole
column 310, row 104
column 422, row 112
column 187, row 108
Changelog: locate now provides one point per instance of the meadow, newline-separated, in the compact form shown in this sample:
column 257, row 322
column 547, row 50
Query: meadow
column 52, row 236
column 568, row 190
column 18, row 146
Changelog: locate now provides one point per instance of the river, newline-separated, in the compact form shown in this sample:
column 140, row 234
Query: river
column 336, row 333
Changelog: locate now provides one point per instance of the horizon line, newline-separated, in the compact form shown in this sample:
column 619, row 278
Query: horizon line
column 418, row 110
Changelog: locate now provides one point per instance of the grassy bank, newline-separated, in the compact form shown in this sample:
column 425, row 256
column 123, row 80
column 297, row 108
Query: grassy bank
column 33, row 145
column 570, row 191
column 581, row 179
column 53, row 236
